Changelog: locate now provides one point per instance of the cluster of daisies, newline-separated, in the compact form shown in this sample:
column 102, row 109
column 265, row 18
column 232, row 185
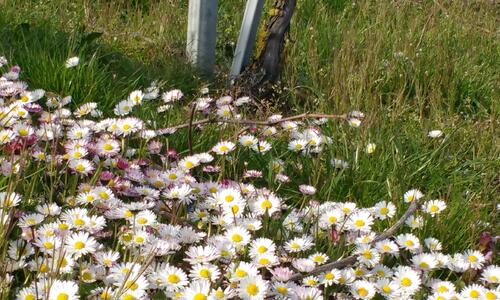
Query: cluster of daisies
column 123, row 217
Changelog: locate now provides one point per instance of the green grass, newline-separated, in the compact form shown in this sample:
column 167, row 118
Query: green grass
column 411, row 66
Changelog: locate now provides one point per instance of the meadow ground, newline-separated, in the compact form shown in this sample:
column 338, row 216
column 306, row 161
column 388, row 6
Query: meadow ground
column 410, row 66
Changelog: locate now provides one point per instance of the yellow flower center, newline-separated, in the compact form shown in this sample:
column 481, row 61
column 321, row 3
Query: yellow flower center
column 62, row 296
column 29, row 297
column 63, row 226
column 266, row 204
column 442, row 289
column 472, row 258
column 384, row 211
column 131, row 285
column 406, row 282
column 128, row 297
column 409, row 243
column 205, row 273
column 23, row 132
column 189, row 164
column 173, row 278
column 262, row 249
column 332, row 219
column 139, row 239
column 359, row 223
column 79, row 222
column 79, row 245
column 48, row 245
column 223, row 148
column 264, row 261
column 200, row 296
column 434, row 208
column 126, row 127
column 236, row 238
column 386, row 289
column 252, row 289
column 229, row 198
column 474, row 294
column 367, row 254
column 105, row 295
column 282, row 290
column 241, row 273
column 80, row 168
column 142, row 221
column 362, row 292
column 87, row 276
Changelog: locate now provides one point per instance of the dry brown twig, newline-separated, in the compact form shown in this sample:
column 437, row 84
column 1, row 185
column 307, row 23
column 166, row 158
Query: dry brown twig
column 352, row 259
column 246, row 122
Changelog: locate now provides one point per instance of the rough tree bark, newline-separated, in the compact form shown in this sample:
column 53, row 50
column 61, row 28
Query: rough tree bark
column 265, row 70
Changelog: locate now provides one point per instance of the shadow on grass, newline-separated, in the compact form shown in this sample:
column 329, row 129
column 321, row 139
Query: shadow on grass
column 104, row 75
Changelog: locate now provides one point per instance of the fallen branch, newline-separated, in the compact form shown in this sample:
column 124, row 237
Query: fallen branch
column 303, row 116
column 351, row 260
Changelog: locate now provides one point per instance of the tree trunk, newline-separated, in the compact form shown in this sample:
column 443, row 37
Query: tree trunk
column 265, row 70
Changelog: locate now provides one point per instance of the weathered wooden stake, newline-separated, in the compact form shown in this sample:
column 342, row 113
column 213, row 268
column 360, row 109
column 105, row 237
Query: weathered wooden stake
column 202, row 34
column 246, row 39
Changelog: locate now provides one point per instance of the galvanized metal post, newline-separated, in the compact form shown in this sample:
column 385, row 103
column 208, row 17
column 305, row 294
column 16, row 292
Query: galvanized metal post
column 202, row 34
column 246, row 39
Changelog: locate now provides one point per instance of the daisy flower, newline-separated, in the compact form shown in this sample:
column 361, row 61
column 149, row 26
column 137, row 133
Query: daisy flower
column 107, row 147
column 412, row 195
column 367, row 255
column 473, row 291
column 72, row 62
column 81, row 166
column 80, row 243
column 252, row 288
column 205, row 272
column 171, row 278
column 433, row 244
column 415, row 222
column 123, row 108
column 223, row 148
column 407, row 279
column 172, row 96
column 266, row 203
column 30, row 220
column 307, row 189
column 387, row 288
column 434, row 207
column 360, row 221
column 248, row 140
column 197, row 290
column 491, row 274
column 200, row 254
column 474, row 259
column 67, row 290
column 238, row 235
column 362, row 289
column 262, row 147
column 318, row 258
column 370, row 148
column 384, row 210
column 408, row 241
column 297, row 145
column 262, row 246
column 424, row 261
column 136, row 97
column 299, row 244
column 9, row 199
column 435, row 134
